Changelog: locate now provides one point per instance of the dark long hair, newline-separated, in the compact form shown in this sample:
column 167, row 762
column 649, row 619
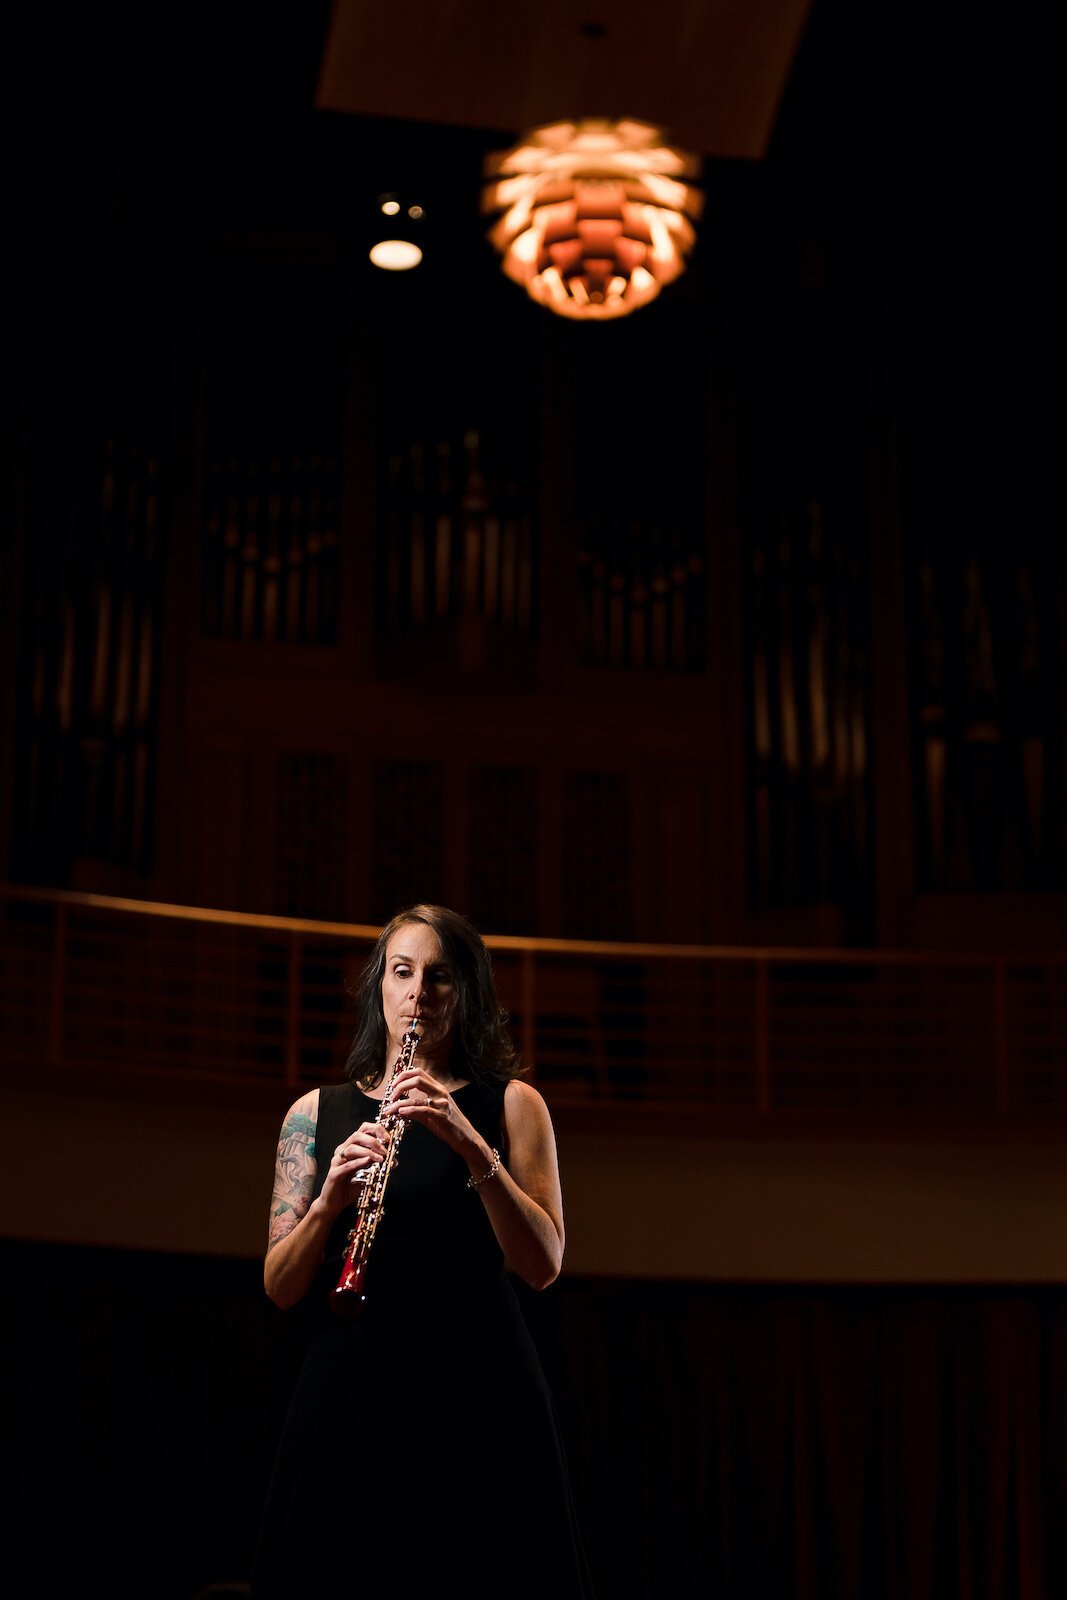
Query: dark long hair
column 483, row 1046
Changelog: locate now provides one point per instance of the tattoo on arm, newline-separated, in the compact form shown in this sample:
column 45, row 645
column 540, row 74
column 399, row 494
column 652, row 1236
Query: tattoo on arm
column 294, row 1176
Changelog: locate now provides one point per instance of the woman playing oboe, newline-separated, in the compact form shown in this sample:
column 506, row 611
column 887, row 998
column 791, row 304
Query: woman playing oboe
column 421, row 1444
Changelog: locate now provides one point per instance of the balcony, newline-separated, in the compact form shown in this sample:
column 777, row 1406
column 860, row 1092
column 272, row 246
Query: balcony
column 161, row 998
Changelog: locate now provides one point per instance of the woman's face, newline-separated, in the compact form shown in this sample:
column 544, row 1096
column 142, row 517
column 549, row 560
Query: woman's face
column 417, row 982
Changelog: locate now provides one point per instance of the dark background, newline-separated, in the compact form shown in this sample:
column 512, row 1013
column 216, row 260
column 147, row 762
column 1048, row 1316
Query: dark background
column 833, row 427
column 866, row 326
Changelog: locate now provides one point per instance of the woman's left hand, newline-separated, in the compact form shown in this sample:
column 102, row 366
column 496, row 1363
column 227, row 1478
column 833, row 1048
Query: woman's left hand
column 524, row 1205
column 418, row 1097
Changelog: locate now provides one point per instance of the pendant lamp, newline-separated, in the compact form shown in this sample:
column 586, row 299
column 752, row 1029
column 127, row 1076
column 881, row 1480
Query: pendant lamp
column 593, row 217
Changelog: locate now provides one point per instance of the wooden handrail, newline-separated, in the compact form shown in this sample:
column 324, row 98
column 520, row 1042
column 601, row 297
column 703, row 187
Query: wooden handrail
column 252, row 997
column 842, row 955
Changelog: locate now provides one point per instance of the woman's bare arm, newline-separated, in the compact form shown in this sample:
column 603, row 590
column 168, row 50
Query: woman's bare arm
column 524, row 1201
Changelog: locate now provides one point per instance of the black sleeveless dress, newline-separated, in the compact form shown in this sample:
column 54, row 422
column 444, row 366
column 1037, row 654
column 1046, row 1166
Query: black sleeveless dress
column 422, row 1443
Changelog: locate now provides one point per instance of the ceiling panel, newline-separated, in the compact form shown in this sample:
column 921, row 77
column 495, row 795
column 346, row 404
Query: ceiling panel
column 710, row 72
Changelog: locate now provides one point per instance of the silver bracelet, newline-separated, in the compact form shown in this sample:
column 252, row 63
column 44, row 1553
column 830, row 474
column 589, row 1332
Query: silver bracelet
column 473, row 1182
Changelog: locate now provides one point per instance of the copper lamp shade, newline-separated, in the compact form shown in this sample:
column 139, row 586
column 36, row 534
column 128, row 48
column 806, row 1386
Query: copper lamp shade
column 594, row 217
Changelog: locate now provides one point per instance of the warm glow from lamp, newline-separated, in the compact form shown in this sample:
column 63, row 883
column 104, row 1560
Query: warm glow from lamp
column 395, row 255
column 397, row 249
column 593, row 217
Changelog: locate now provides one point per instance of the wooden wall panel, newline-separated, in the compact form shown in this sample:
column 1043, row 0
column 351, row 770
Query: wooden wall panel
column 311, row 835
column 221, row 840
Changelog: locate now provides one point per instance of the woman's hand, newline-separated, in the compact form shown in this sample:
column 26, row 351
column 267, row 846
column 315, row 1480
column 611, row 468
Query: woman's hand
column 523, row 1198
column 363, row 1148
column 299, row 1225
column 418, row 1097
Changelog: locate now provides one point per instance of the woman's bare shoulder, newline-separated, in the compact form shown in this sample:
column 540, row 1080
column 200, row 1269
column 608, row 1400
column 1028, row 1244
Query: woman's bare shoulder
column 303, row 1114
column 525, row 1101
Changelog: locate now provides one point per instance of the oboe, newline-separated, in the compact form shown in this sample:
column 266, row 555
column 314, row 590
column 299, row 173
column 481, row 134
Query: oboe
column 348, row 1298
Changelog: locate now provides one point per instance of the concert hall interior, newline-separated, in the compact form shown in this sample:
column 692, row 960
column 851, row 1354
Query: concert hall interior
column 708, row 658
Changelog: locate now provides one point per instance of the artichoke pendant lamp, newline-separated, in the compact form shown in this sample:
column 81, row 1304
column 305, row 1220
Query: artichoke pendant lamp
column 593, row 217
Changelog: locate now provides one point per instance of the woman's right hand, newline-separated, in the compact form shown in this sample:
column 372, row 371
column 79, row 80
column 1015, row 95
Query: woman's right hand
column 299, row 1225
column 363, row 1148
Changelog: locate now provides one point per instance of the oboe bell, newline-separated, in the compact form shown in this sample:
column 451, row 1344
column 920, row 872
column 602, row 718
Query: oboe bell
column 348, row 1297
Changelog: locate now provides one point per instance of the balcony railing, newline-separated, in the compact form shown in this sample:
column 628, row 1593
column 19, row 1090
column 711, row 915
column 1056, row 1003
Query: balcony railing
column 93, row 985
